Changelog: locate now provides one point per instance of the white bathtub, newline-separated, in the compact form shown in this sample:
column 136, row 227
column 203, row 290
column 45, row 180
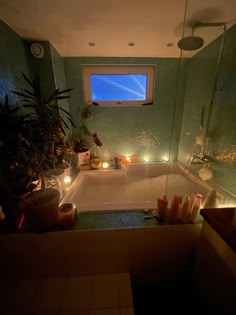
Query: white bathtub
column 135, row 186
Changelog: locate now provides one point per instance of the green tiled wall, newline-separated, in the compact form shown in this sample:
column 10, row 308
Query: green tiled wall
column 13, row 61
column 200, row 92
column 59, row 76
column 42, row 68
column 140, row 131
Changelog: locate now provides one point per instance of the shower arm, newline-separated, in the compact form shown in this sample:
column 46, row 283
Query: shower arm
column 208, row 24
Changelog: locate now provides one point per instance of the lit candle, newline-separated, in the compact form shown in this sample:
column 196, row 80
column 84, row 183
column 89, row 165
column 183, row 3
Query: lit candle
column 128, row 159
column 165, row 158
column 105, row 165
column 67, row 181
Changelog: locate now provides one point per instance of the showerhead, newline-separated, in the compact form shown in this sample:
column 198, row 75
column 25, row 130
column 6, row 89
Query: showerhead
column 195, row 42
column 190, row 43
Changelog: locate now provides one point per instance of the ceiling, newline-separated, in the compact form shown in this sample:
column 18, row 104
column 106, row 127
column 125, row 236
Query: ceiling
column 153, row 26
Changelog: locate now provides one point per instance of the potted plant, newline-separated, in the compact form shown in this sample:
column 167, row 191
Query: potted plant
column 84, row 142
column 45, row 149
column 13, row 172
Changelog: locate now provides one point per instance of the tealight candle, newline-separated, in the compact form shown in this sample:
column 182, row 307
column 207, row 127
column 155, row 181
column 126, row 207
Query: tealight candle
column 105, row 165
column 67, row 179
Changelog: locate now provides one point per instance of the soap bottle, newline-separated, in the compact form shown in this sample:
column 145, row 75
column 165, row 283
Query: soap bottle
column 2, row 214
column 165, row 200
column 196, row 206
column 162, row 206
column 174, row 208
column 180, row 208
column 211, row 200
column 116, row 162
column 185, row 209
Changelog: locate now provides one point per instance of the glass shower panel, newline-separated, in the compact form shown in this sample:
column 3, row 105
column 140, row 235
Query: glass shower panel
column 206, row 86
column 207, row 146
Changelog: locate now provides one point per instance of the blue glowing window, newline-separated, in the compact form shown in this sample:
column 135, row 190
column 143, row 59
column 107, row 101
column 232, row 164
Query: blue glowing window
column 122, row 87
column 118, row 85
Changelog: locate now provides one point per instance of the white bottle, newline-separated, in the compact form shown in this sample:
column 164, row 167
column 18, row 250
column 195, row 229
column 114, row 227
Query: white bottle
column 211, row 200
column 196, row 206
column 2, row 214
column 185, row 209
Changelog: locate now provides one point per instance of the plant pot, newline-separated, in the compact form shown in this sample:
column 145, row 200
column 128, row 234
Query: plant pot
column 66, row 215
column 95, row 163
column 83, row 159
column 41, row 209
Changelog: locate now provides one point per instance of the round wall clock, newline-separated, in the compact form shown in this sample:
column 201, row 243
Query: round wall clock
column 37, row 50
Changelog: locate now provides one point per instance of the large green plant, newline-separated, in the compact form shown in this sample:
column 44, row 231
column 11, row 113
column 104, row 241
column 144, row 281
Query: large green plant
column 12, row 137
column 45, row 129
column 13, row 126
column 10, row 127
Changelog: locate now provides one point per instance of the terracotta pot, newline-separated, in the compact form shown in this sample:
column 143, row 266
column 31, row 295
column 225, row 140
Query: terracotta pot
column 95, row 163
column 41, row 209
column 66, row 215
column 83, row 159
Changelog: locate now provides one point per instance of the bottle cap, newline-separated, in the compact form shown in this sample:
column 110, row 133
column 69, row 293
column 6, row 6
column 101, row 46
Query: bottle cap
column 199, row 196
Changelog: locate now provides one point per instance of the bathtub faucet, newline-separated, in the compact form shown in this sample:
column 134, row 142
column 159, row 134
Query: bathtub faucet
column 203, row 158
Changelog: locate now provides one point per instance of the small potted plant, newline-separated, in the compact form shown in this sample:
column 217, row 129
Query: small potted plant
column 84, row 142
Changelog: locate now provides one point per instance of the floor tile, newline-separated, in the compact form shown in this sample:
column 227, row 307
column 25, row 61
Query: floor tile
column 77, row 294
column 49, row 295
column 107, row 311
column 126, row 311
column 105, row 291
column 125, row 290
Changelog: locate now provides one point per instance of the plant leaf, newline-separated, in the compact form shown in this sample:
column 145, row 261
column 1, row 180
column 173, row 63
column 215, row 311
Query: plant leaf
column 64, row 91
column 28, row 106
column 23, row 95
column 29, row 92
column 52, row 96
column 72, row 123
column 28, row 100
column 65, row 111
column 65, row 125
column 31, row 83
column 61, row 97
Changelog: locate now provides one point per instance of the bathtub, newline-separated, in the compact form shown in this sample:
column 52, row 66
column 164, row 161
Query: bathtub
column 135, row 186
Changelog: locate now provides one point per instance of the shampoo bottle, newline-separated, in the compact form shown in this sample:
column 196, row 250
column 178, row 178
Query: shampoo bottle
column 185, row 209
column 116, row 162
column 174, row 208
column 162, row 206
column 196, row 206
column 164, row 198
column 211, row 200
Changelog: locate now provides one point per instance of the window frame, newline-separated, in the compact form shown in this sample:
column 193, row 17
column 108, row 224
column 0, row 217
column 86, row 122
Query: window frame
column 148, row 70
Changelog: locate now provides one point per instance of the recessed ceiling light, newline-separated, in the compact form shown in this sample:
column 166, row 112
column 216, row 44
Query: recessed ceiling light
column 169, row 44
column 131, row 43
column 92, row 44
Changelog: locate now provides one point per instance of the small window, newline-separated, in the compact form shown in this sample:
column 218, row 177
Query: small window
column 118, row 85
